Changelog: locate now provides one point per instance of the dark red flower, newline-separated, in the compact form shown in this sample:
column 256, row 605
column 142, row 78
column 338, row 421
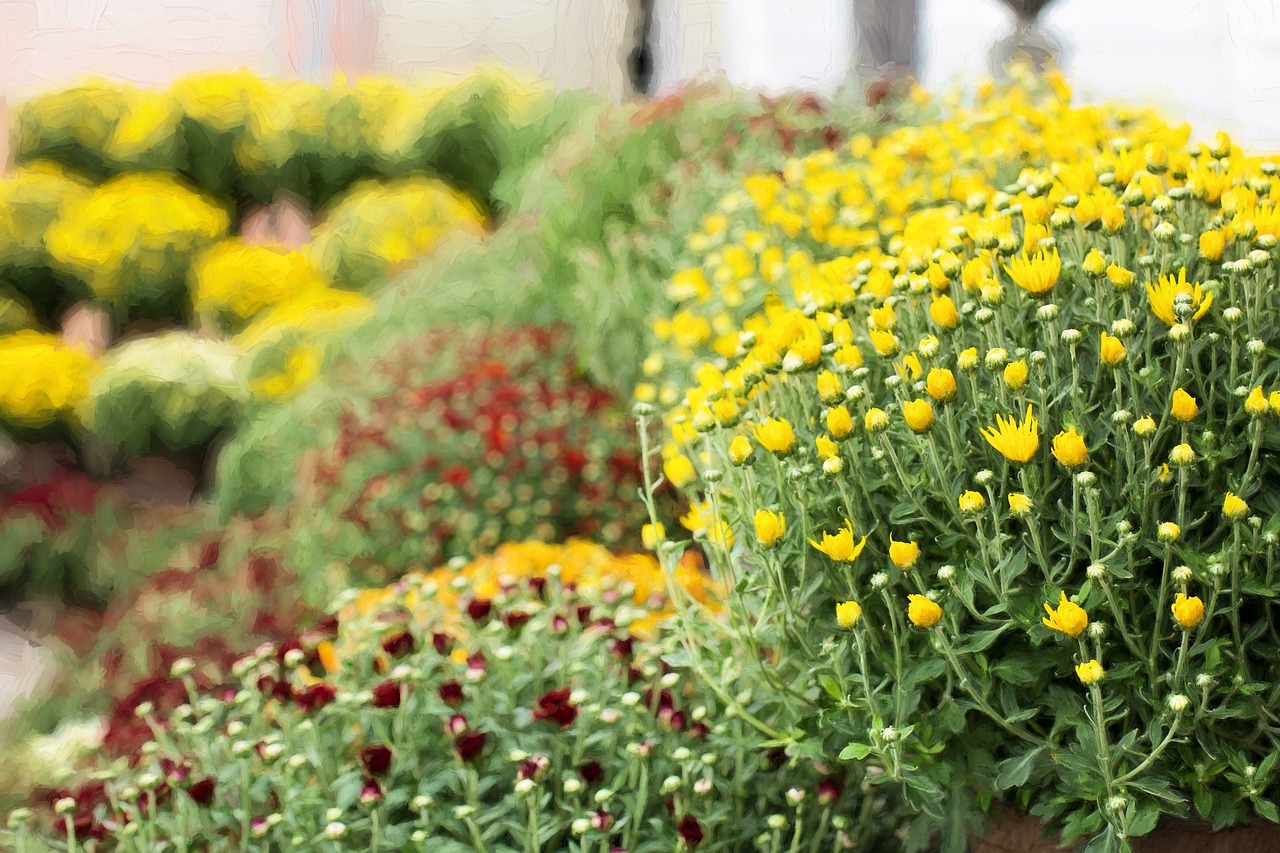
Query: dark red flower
column 584, row 614
column 538, row 586
column 376, row 759
column 601, row 820
column 451, row 693
column 316, row 696
column 209, row 555
column 559, row 624
column 591, row 772
column 371, row 792
column 441, row 642
column 479, row 608
column 689, row 830
column 829, row 791
column 477, row 662
column 399, row 644
column 202, row 791
column 515, row 618
column 258, row 826
column 387, row 695
column 469, row 745
column 623, row 647
column 533, row 767
column 699, row 730
column 556, row 706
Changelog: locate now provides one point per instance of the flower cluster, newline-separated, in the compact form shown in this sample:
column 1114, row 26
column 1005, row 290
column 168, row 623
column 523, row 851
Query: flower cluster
column 1015, row 357
column 506, row 441
column 42, row 379
column 523, row 703
column 377, row 227
column 31, row 198
column 130, row 242
column 233, row 281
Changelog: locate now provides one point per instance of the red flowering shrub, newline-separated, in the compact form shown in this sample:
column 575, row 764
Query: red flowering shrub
column 508, row 442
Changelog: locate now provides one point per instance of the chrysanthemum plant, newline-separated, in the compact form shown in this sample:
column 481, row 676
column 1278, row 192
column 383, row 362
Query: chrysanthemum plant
column 978, row 420
column 523, row 702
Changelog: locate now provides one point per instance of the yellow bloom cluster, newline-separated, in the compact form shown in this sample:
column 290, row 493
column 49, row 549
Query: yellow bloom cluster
column 31, row 197
column 131, row 239
column 378, row 227
column 957, row 336
column 42, row 379
column 234, row 280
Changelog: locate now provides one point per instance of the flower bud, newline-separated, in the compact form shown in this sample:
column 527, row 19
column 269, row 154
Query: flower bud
column 1178, row 703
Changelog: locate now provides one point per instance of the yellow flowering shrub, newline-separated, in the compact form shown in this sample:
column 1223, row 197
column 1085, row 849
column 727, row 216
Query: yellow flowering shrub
column 233, row 281
column 981, row 368
column 376, row 228
column 31, row 198
column 42, row 379
column 131, row 241
column 286, row 345
column 15, row 311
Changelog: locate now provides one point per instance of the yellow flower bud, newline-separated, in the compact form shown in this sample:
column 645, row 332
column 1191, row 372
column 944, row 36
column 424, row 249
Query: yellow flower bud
column 883, row 342
column 972, row 501
column 1168, row 532
column 1015, row 374
column 903, row 554
column 651, row 535
column 769, row 527
column 679, row 471
column 740, row 449
column 1212, row 244
column 876, row 420
column 776, row 436
column 1184, row 408
column 918, row 414
column 1112, row 350
column 830, row 389
column 827, row 448
column 1069, row 448
column 1144, row 425
column 922, row 612
column 1019, row 504
column 1182, row 454
column 943, row 312
column 941, row 384
column 839, row 422
column 968, row 359
column 1188, row 612
column 1090, row 672
column 1120, row 277
column 1234, row 507
column 1070, row 618
column 1256, row 403
column 1095, row 263
column 848, row 613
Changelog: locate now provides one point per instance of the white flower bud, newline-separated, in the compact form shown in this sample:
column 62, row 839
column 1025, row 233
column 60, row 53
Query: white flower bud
column 463, row 812
column 1117, row 803
column 1047, row 312
column 1204, row 681
column 295, row 761
column 889, row 734
column 609, row 716
column 702, row 787
column 996, row 357
column 524, row 787
column 776, row 822
column 1121, row 416
column 1086, row 479
column 580, row 826
column 293, row 657
column 272, row 750
column 795, row 797
column 1256, row 347
column 1182, row 575
column 65, row 805
column 181, row 667
column 335, row 830
column 143, row 709
column 1178, row 703
column 1096, row 572
column 946, row 574
column 1259, row 258
column 1122, row 327
column 984, row 476
column 603, row 796
column 670, row 785
column 1179, row 332
column 983, row 316
column 1097, row 629
column 1070, row 337
column 878, row 580
column 833, row 466
column 333, row 814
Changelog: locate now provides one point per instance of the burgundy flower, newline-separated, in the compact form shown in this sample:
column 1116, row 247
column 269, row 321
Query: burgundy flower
column 202, row 791
column 689, row 830
column 451, row 693
column 316, row 696
column 559, row 624
column 477, row 663
column 479, row 609
column 387, row 695
column 399, row 644
column 328, row 626
column 538, row 586
column 623, row 647
column 591, row 772
column 457, row 724
column 515, row 618
column 469, row 745
column 441, row 642
column 829, row 791
column 601, row 820
column 376, row 759
column 533, row 767
column 556, row 706
column 584, row 614
column 371, row 792
column 209, row 555
column 258, row 826
column 699, row 730
column 673, row 720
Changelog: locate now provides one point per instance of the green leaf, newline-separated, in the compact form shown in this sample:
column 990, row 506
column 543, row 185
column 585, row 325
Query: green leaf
column 833, row 689
column 1144, row 821
column 981, row 640
column 1014, row 772
column 1267, row 809
column 855, row 752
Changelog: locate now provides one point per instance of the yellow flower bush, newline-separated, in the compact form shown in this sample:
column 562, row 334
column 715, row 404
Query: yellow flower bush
column 31, row 197
column 378, row 227
column 233, row 281
column 986, row 332
column 42, row 379
column 131, row 241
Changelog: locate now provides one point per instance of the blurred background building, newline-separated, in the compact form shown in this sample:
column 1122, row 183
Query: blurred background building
column 1216, row 62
